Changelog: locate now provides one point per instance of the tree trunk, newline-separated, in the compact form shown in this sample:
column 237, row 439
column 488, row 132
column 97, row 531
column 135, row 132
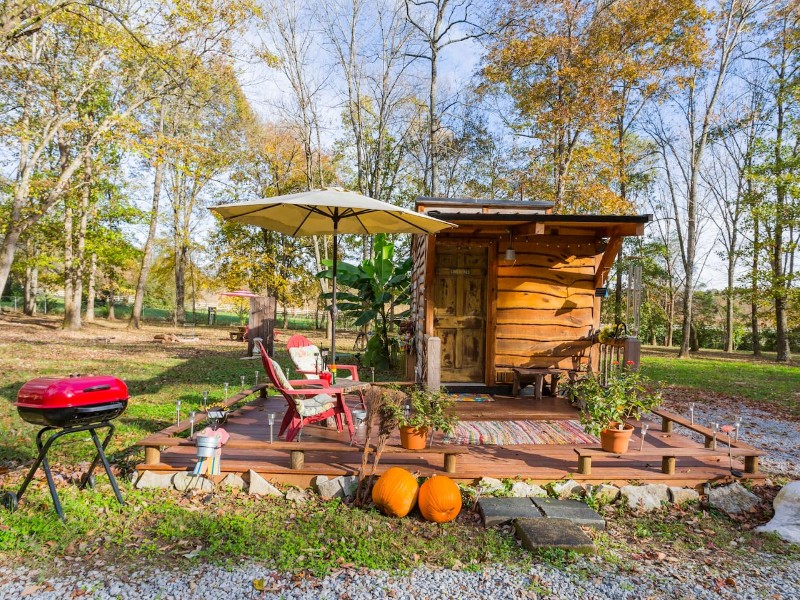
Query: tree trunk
column 31, row 288
column 434, row 120
column 729, row 292
column 754, row 328
column 694, row 343
column 144, row 269
column 670, row 320
column 180, row 283
column 111, row 315
column 91, row 291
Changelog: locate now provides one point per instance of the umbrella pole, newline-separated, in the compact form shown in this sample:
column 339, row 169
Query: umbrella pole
column 333, row 297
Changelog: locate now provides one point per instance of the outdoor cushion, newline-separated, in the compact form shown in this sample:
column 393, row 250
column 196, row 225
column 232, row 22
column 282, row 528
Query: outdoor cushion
column 308, row 407
column 307, row 358
column 282, row 380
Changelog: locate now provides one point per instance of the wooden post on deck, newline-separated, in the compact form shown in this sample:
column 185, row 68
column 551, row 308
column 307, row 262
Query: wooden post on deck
column 668, row 465
column 152, row 455
column 585, row 465
column 434, row 358
column 751, row 464
column 666, row 425
column 298, row 458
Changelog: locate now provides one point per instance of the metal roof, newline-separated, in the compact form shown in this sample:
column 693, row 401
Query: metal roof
column 474, row 202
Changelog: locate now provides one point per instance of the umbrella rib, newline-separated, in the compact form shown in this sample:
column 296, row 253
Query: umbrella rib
column 303, row 222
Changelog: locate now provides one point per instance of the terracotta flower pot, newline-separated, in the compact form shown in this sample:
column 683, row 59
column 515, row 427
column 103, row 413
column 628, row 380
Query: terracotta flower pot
column 615, row 440
column 413, row 439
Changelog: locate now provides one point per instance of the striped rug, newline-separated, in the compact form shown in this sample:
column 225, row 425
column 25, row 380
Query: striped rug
column 509, row 433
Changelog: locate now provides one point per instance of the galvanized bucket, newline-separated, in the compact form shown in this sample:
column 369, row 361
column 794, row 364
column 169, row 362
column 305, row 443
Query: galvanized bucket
column 207, row 445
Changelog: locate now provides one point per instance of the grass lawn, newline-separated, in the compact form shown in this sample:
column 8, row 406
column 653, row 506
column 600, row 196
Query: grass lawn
column 765, row 384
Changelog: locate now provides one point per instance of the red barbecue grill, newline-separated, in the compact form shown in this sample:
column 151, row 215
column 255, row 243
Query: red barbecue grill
column 71, row 405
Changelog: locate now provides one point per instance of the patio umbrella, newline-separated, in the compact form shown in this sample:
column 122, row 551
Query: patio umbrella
column 329, row 211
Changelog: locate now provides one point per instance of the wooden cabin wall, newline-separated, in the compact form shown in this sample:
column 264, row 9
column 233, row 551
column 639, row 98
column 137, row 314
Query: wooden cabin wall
column 419, row 255
column 546, row 305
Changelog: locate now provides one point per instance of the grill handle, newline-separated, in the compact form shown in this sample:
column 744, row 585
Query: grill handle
column 101, row 408
column 97, row 388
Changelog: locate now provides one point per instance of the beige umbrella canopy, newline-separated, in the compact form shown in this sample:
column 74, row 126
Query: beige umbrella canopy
column 329, row 211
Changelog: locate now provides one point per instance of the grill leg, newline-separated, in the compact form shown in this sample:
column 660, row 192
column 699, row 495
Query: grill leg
column 87, row 477
column 103, row 458
column 46, row 465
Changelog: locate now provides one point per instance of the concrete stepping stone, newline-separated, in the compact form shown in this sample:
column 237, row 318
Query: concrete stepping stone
column 498, row 511
column 571, row 510
column 538, row 534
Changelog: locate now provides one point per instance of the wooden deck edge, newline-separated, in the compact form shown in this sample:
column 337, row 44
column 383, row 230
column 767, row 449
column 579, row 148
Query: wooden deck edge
column 669, row 417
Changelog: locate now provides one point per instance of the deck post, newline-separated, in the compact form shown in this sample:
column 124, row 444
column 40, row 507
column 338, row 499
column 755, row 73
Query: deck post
column 751, row 464
column 152, row 455
column 668, row 465
column 585, row 465
column 450, row 463
column 666, row 425
column 298, row 459
column 262, row 393
column 709, row 443
column 434, row 357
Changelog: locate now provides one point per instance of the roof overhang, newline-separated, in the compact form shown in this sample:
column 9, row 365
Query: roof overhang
column 543, row 224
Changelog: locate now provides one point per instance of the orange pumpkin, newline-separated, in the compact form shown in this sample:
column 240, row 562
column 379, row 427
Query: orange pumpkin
column 439, row 499
column 395, row 494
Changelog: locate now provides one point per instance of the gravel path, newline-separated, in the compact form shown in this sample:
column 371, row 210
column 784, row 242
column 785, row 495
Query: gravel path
column 781, row 438
column 588, row 579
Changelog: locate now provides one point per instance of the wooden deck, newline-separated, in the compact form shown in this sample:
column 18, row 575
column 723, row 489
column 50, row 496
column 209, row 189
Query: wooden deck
column 539, row 463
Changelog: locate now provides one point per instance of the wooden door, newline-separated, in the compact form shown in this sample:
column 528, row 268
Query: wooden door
column 459, row 311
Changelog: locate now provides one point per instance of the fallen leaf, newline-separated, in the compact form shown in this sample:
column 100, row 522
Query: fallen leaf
column 30, row 590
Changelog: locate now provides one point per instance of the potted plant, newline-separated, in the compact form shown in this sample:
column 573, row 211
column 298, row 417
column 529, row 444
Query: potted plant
column 604, row 408
column 428, row 412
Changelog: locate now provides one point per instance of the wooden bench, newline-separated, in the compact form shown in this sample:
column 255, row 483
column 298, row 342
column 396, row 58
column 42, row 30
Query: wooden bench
column 154, row 443
column 668, row 419
column 668, row 456
column 523, row 377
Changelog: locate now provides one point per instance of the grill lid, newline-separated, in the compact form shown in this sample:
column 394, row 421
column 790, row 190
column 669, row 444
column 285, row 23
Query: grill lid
column 57, row 392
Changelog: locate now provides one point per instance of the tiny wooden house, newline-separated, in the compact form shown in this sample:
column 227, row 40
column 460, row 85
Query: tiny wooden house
column 512, row 286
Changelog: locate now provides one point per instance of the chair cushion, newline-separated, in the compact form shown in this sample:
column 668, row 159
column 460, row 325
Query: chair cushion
column 282, row 379
column 307, row 358
column 308, row 407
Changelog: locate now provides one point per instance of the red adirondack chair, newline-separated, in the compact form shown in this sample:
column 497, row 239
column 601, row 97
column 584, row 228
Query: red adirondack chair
column 306, row 404
column 308, row 360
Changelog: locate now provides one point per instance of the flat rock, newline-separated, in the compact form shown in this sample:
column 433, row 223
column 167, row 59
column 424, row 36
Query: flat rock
column 318, row 480
column 523, row 489
column 605, row 493
column 679, row 495
column 732, row 499
column 232, row 480
column 260, row 486
column 339, row 487
column 645, row 497
column 498, row 511
column 188, row 481
column 571, row 510
column 296, row 495
column 538, row 534
column 153, row 480
column 567, row 489
column 487, row 485
column 786, row 522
